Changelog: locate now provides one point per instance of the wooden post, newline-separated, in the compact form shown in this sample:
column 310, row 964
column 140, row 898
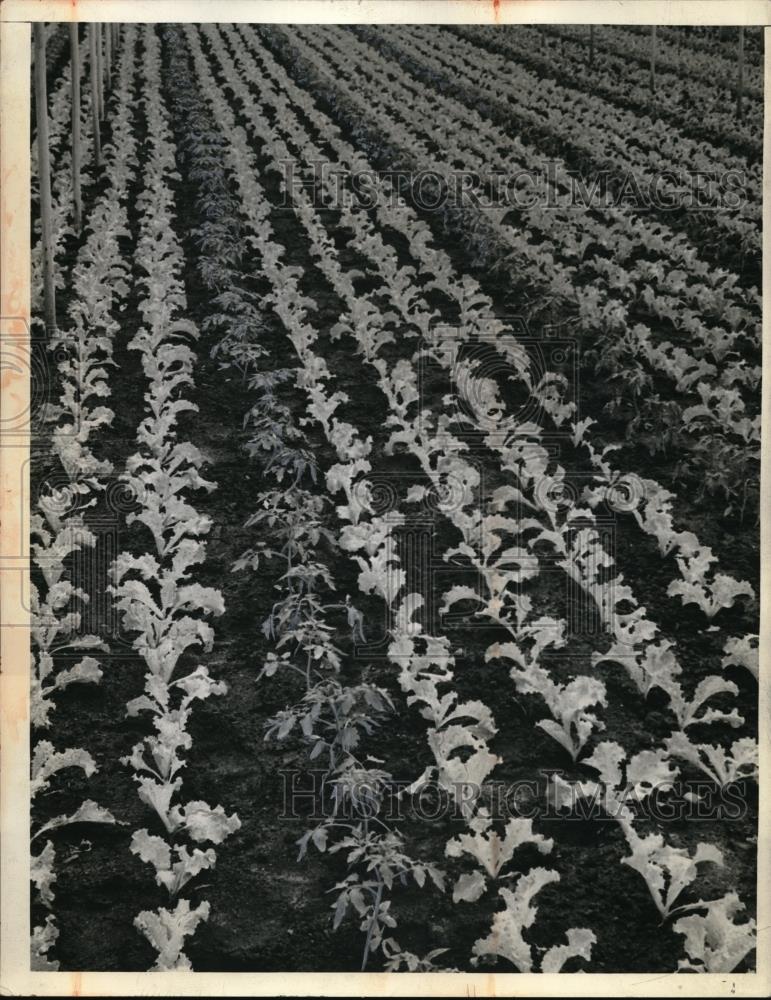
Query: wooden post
column 653, row 59
column 44, row 176
column 94, row 94
column 76, row 151
column 740, row 77
column 108, row 55
column 99, row 70
column 591, row 45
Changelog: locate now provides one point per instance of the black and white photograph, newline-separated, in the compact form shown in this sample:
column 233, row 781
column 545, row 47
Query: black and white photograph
column 392, row 497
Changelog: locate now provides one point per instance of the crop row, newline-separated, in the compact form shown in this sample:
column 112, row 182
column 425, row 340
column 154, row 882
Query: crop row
column 60, row 532
column 475, row 318
column 717, row 423
column 395, row 386
column 62, row 182
column 616, row 138
column 613, row 76
column 683, row 59
column 155, row 591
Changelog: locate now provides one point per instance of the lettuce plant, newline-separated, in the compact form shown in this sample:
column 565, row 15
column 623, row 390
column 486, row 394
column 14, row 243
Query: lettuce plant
column 667, row 870
column 491, row 851
column 506, row 937
column 742, row 651
column 47, row 762
column 424, row 663
column 711, row 595
column 714, row 942
column 720, row 765
column 166, row 931
column 55, row 622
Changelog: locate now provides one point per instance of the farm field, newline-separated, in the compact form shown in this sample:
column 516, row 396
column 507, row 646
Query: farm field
column 395, row 498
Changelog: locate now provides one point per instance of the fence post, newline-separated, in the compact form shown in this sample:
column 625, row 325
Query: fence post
column 44, row 176
column 100, row 64
column 94, row 94
column 108, row 55
column 740, row 80
column 76, row 152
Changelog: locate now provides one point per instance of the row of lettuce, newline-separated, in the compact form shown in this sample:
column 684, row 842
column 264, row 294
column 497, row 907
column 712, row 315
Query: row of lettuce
column 159, row 602
column 676, row 336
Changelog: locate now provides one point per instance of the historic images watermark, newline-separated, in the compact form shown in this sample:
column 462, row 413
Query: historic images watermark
column 311, row 795
column 551, row 186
